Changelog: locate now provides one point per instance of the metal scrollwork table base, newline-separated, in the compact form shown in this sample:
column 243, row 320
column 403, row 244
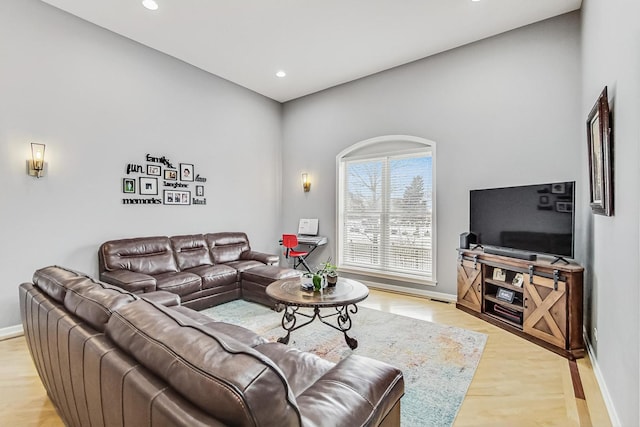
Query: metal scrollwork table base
column 342, row 298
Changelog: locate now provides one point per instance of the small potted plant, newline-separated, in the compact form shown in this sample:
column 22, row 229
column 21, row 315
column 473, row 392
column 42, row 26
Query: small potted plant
column 330, row 271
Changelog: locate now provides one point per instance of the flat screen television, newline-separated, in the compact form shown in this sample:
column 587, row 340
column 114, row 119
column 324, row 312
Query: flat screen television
column 536, row 219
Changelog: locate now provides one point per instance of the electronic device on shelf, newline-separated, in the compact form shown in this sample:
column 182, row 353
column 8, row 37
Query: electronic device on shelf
column 526, row 220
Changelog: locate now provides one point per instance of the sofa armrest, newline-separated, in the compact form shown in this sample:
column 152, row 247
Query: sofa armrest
column 367, row 390
column 264, row 258
column 130, row 280
column 168, row 299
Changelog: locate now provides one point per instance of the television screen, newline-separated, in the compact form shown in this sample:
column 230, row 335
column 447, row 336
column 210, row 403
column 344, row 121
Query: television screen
column 531, row 218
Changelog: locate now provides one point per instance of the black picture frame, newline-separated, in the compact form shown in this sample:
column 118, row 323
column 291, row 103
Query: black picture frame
column 128, row 185
column 170, row 175
column 186, row 172
column 544, row 203
column 148, row 186
column 199, row 190
column 154, row 170
column 600, row 145
column 176, row 197
column 566, row 207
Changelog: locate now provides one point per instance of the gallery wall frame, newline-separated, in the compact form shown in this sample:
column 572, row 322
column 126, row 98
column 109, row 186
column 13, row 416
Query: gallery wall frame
column 148, row 186
column 153, row 170
column 186, row 172
column 128, row 185
column 600, row 146
column 173, row 197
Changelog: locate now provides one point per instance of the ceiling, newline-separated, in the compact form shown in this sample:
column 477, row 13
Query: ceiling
column 318, row 43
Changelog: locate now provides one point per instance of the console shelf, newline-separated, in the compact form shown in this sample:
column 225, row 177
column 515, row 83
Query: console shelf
column 537, row 300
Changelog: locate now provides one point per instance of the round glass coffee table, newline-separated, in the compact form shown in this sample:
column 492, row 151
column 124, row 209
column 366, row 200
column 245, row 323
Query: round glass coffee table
column 342, row 297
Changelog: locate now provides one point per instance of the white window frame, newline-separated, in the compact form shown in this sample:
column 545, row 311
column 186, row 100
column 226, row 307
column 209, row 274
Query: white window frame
column 377, row 147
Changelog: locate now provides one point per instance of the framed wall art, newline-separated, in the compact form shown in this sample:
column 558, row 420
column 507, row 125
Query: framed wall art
column 170, row 175
column 153, row 170
column 186, row 172
column 566, row 207
column 199, row 190
column 173, row 197
column 148, row 186
column 600, row 157
column 128, row 185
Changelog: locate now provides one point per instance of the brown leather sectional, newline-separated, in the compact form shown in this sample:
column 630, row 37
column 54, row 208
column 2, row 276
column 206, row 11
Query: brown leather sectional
column 108, row 357
column 203, row 269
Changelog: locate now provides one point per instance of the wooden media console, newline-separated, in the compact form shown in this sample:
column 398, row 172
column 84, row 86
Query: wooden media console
column 537, row 300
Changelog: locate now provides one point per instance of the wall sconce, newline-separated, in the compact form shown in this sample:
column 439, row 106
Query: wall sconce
column 36, row 164
column 306, row 184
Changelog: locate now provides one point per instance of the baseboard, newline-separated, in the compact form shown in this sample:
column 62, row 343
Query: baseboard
column 608, row 402
column 438, row 296
column 11, row 332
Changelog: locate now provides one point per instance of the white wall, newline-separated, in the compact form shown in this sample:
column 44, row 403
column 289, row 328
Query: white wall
column 503, row 111
column 100, row 101
column 611, row 57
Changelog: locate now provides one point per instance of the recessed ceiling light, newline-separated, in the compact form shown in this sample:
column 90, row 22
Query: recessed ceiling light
column 281, row 74
column 150, row 4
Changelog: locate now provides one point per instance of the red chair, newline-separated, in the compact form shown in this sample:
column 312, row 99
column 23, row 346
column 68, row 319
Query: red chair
column 290, row 241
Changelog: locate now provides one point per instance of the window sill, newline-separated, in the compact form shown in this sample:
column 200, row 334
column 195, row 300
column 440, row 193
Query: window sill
column 409, row 278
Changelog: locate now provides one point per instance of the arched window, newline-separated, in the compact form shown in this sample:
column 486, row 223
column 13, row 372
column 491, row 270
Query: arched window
column 386, row 205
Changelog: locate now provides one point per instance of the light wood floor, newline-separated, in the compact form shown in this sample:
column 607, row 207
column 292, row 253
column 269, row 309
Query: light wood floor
column 517, row 383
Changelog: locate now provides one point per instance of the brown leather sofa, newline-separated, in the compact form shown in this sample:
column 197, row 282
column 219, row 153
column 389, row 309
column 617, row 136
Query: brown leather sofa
column 203, row 269
column 108, row 357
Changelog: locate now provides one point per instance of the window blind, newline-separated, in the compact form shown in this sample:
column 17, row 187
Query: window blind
column 385, row 214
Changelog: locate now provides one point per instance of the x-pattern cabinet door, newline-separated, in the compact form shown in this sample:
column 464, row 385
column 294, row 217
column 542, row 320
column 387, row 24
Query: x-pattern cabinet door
column 545, row 310
column 469, row 285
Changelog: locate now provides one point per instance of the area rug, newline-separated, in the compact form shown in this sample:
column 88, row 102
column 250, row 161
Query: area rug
column 438, row 362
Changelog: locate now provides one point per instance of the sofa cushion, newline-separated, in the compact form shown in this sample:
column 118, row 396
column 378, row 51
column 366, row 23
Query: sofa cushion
column 301, row 369
column 244, row 335
column 91, row 301
column 222, row 376
column 94, row 302
column 227, row 246
column 358, row 390
column 191, row 251
column 215, row 275
column 266, row 274
column 168, row 299
column 181, row 283
column 53, row 280
column 148, row 255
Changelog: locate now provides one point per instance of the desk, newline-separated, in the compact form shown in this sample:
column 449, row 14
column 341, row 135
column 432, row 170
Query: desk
column 345, row 294
column 312, row 242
